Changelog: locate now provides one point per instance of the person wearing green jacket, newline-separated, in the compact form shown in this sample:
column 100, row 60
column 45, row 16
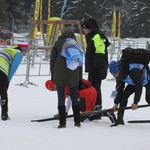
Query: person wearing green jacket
column 64, row 76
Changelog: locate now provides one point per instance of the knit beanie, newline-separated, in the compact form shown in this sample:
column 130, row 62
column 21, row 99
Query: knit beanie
column 67, row 29
column 90, row 24
column 23, row 46
column 114, row 67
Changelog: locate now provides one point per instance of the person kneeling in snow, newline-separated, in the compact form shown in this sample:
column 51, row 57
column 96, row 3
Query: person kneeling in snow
column 87, row 98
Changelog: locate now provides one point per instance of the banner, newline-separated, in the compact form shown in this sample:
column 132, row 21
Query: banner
column 37, row 9
column 36, row 15
column 49, row 32
column 63, row 8
column 119, row 24
column 113, row 32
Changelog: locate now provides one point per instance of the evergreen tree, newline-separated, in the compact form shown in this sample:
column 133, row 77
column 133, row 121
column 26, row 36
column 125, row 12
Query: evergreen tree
column 134, row 14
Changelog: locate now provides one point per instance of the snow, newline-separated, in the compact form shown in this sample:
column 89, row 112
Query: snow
column 35, row 102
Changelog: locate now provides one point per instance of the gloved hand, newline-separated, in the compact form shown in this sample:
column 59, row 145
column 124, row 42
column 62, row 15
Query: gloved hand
column 134, row 106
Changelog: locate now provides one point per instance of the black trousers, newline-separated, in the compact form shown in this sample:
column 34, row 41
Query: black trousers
column 95, row 79
column 3, row 91
column 129, row 90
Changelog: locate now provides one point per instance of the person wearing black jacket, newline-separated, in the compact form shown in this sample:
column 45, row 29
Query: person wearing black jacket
column 96, row 57
column 137, row 78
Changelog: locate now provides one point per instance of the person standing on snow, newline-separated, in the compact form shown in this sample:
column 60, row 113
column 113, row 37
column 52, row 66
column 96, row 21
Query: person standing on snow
column 96, row 57
column 10, row 58
column 65, row 73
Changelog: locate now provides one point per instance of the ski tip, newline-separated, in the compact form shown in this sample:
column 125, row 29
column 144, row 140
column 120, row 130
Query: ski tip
column 139, row 121
column 33, row 121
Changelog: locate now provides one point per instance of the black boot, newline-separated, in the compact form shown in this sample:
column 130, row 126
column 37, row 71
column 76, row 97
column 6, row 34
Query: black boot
column 4, row 114
column 119, row 120
column 76, row 113
column 62, row 116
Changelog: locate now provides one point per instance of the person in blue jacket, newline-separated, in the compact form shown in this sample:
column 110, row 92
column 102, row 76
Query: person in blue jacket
column 10, row 58
column 137, row 78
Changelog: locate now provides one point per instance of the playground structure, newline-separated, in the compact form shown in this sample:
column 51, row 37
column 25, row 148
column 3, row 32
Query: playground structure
column 54, row 29
column 43, row 35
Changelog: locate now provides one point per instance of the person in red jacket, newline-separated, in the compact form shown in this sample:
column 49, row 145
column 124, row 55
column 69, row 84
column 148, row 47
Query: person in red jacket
column 87, row 94
column 87, row 97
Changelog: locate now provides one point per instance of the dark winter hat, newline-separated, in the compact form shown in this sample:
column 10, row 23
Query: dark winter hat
column 90, row 24
column 114, row 67
column 67, row 29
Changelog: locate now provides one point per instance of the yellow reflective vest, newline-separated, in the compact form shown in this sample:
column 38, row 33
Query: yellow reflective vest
column 6, row 57
column 99, row 44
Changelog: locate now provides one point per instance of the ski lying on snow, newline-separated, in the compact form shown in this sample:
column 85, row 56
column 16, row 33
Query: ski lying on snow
column 139, row 121
column 85, row 115
column 49, row 119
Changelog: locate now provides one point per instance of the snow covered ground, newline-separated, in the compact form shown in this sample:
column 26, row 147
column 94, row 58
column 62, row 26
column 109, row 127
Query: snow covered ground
column 34, row 102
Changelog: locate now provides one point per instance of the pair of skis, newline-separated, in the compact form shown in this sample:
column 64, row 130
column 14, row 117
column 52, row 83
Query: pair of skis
column 85, row 115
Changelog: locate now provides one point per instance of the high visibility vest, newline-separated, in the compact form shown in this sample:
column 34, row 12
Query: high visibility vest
column 99, row 44
column 6, row 57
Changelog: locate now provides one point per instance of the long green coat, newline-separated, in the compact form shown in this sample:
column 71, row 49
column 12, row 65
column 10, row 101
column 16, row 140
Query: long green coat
column 62, row 76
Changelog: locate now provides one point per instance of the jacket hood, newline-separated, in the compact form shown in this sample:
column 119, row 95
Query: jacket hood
column 67, row 35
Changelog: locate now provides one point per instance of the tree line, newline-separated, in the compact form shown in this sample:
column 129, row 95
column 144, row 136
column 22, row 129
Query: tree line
column 134, row 14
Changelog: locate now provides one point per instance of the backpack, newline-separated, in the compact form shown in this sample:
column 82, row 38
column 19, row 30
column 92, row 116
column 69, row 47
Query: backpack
column 130, row 55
